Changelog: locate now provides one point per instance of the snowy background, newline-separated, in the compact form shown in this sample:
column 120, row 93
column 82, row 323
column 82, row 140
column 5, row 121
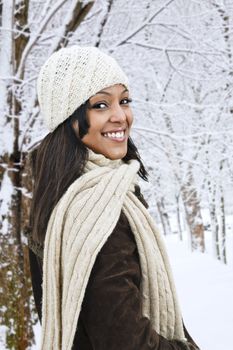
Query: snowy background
column 178, row 56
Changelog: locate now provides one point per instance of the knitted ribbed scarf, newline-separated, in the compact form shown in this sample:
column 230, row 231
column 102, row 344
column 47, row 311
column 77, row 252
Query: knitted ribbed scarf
column 78, row 227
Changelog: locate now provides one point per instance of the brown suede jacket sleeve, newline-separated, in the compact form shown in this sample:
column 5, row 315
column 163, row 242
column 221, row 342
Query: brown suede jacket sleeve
column 111, row 316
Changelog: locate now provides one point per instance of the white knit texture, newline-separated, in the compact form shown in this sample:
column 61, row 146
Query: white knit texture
column 70, row 77
column 79, row 226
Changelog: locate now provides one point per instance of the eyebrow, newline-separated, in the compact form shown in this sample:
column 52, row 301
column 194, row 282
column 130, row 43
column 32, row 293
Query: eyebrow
column 108, row 93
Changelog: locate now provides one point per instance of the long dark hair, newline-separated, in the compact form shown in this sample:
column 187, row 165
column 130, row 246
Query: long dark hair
column 57, row 162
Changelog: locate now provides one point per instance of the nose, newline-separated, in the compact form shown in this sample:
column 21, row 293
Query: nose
column 118, row 113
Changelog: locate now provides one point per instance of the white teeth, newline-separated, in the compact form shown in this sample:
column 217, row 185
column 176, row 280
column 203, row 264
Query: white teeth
column 115, row 135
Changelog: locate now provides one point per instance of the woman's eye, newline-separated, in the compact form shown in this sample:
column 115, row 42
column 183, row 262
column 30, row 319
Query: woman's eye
column 100, row 105
column 126, row 101
column 103, row 105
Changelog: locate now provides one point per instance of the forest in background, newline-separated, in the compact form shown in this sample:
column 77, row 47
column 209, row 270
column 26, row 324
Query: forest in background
column 178, row 56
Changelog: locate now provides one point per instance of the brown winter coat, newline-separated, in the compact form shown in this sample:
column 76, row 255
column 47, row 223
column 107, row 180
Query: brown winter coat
column 111, row 317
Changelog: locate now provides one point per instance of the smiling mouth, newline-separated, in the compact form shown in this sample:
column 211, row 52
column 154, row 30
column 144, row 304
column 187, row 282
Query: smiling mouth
column 115, row 136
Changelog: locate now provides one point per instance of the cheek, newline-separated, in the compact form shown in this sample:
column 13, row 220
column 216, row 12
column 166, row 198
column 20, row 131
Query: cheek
column 130, row 119
column 95, row 126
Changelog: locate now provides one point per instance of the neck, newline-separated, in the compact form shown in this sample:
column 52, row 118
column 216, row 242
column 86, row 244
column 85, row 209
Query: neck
column 101, row 160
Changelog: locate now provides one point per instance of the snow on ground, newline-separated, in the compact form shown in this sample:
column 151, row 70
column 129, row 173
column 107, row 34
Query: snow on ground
column 205, row 290
column 37, row 332
column 3, row 330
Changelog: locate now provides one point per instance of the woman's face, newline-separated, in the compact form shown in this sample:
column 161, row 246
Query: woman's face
column 110, row 118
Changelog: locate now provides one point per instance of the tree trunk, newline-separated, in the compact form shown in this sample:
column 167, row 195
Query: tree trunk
column 214, row 222
column 178, row 217
column 223, row 228
column 6, row 63
column 16, row 310
column 193, row 213
column 164, row 217
column 222, row 217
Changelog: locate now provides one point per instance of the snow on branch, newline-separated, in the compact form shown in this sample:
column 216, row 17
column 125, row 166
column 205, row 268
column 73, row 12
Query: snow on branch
column 140, row 27
column 176, row 49
column 16, row 31
column 33, row 39
column 186, row 136
column 168, row 152
column 73, row 18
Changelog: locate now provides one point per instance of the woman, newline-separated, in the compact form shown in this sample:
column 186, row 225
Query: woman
column 107, row 283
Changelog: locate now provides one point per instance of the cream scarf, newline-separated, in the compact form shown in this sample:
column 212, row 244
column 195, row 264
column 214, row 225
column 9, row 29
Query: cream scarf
column 79, row 226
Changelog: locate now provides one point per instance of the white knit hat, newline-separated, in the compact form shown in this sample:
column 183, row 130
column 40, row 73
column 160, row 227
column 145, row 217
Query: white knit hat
column 70, row 77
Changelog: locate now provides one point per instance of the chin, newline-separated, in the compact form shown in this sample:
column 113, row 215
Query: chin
column 116, row 155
